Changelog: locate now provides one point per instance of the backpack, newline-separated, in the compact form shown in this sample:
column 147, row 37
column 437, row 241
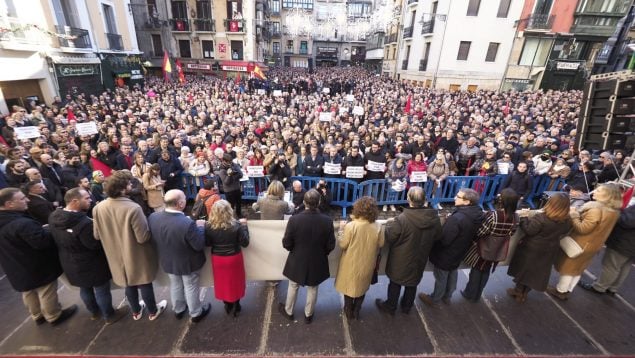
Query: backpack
column 496, row 247
column 199, row 210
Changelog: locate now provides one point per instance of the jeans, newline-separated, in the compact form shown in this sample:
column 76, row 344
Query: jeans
column 476, row 284
column 147, row 293
column 408, row 299
column 43, row 302
column 292, row 294
column 444, row 284
column 98, row 299
column 184, row 290
column 615, row 270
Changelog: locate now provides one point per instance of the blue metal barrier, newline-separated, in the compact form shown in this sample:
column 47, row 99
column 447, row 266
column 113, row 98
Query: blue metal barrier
column 451, row 186
column 253, row 187
column 492, row 187
column 381, row 190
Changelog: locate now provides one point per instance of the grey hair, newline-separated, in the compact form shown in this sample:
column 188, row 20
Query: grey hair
column 416, row 196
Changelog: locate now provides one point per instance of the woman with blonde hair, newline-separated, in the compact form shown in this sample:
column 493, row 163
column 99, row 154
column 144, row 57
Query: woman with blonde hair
column 538, row 249
column 153, row 184
column 139, row 166
column 592, row 225
column 362, row 239
column 225, row 235
column 272, row 206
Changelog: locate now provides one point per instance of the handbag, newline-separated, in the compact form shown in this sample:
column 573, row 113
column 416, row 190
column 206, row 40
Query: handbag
column 571, row 248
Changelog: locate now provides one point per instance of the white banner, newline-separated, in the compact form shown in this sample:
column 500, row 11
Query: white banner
column 418, row 177
column 326, row 90
column 376, row 166
column 261, row 91
column 343, row 110
column 255, row 171
column 277, row 93
column 26, row 132
column 88, row 128
column 331, row 168
column 359, row 110
column 355, row 172
column 503, row 168
column 325, row 116
column 350, row 98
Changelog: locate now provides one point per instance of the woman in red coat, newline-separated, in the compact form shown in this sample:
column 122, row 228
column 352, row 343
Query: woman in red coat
column 226, row 236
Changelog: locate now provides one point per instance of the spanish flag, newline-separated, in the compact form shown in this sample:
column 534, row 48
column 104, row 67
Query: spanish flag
column 167, row 67
column 258, row 72
column 179, row 70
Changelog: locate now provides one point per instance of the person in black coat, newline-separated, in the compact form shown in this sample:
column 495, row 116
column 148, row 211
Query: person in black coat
column 29, row 259
column 52, row 171
column 377, row 157
column 619, row 255
column 180, row 243
column 355, row 159
column 520, row 180
column 279, row 170
column 171, row 170
column 82, row 257
column 39, row 208
column 410, row 236
column 458, row 233
column 309, row 237
column 313, row 163
column 52, row 192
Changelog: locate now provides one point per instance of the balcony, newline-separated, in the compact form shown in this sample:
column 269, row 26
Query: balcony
column 413, row 2
column 407, row 32
column 304, row 51
column 540, row 22
column 427, row 27
column 19, row 32
column 404, row 65
column 180, row 25
column 233, row 25
column 288, row 51
column 423, row 64
column 204, row 25
column 114, row 42
column 595, row 24
column 392, row 38
column 73, row 37
column 275, row 34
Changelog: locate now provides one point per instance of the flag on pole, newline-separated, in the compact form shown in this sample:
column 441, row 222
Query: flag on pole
column 238, row 79
column 258, row 72
column 179, row 70
column 167, row 67
column 408, row 104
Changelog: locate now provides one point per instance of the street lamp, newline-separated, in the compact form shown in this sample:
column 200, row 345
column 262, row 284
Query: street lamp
column 444, row 18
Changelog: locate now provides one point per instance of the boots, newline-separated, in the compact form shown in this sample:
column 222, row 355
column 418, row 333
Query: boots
column 562, row 296
column 348, row 307
column 357, row 306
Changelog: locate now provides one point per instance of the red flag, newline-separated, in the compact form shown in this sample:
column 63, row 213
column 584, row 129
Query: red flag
column 179, row 70
column 408, row 104
column 506, row 109
column 167, row 67
column 238, row 78
column 628, row 195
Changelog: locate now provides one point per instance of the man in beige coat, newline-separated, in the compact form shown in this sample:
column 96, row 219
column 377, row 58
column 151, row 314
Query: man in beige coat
column 123, row 230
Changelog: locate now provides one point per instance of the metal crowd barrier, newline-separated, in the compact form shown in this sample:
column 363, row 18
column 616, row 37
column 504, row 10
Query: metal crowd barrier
column 345, row 192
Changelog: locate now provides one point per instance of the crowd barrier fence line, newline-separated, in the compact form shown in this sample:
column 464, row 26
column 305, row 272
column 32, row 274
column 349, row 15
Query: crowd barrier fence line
column 345, row 191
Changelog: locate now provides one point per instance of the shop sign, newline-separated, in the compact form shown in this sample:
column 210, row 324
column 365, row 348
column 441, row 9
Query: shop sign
column 77, row 70
column 199, row 66
column 136, row 75
column 234, row 68
column 567, row 65
column 519, row 81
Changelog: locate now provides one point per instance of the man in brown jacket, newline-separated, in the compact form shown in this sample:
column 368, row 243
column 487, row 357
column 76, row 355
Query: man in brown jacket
column 123, row 230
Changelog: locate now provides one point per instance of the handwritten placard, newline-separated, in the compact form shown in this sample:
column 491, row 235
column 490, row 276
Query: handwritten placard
column 325, row 116
column 326, row 90
column 255, row 171
column 277, row 93
column 355, row 172
column 358, row 110
column 88, row 128
column 350, row 98
column 27, row 132
column 503, row 168
column 376, row 166
column 418, row 177
column 332, row 168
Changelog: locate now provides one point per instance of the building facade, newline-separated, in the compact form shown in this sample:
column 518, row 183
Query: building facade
column 457, row 44
column 58, row 47
column 557, row 42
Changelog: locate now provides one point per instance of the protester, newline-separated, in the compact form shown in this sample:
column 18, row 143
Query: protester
column 360, row 242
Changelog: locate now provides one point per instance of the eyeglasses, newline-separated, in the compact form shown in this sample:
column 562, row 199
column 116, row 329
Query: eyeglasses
column 460, row 197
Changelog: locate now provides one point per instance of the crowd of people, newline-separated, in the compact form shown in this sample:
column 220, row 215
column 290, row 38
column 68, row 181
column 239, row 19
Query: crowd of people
column 335, row 123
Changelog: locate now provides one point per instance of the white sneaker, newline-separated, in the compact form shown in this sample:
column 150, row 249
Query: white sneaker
column 160, row 308
column 392, row 208
column 385, row 208
column 138, row 316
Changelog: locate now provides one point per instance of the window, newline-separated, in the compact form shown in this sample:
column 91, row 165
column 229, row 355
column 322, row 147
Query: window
column 157, row 45
column 503, row 8
column 359, row 9
column 109, row 16
column 179, row 9
column 535, row 52
column 492, row 51
column 276, row 47
column 543, row 7
column 65, row 13
column 298, row 4
column 289, row 45
column 184, row 48
column 472, row 7
column 152, row 8
column 464, row 50
column 275, row 6
column 208, row 48
column 203, row 9
column 276, row 27
column 304, row 47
